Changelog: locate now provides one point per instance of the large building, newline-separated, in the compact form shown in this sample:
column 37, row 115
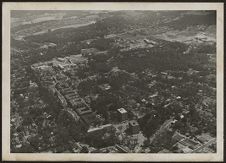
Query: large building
column 184, row 144
column 123, row 114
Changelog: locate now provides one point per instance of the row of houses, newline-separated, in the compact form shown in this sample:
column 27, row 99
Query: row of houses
column 78, row 105
column 184, row 144
column 58, row 89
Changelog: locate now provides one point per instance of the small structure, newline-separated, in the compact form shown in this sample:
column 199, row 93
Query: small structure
column 83, row 110
column 104, row 87
column 44, row 47
column 52, row 45
column 134, row 127
column 177, row 137
column 100, row 56
column 61, row 59
column 48, row 45
column 88, row 52
column 147, row 41
column 204, row 137
column 165, row 151
column 123, row 114
column 121, row 149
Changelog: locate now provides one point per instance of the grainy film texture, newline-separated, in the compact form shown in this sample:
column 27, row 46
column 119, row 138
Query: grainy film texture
column 113, row 81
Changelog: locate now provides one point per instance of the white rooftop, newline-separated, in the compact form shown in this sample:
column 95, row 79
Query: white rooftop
column 122, row 110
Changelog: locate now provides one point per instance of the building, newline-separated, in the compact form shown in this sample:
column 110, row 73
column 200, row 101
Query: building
column 71, row 96
column 89, row 119
column 123, row 114
column 186, row 145
column 204, row 137
column 149, row 41
column 165, row 151
column 49, row 45
column 104, row 87
column 121, row 149
column 88, row 52
column 177, row 137
column 83, row 110
column 189, row 143
column 76, row 103
column 110, row 149
column 134, row 127
column 77, row 59
column 67, row 91
column 100, row 56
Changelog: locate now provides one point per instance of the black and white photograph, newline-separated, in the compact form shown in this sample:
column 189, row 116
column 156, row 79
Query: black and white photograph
column 96, row 81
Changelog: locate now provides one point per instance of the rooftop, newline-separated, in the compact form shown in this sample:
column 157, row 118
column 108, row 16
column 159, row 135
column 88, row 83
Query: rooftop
column 89, row 118
column 177, row 137
column 83, row 110
column 76, row 103
column 122, row 111
column 71, row 96
column 105, row 86
column 204, row 137
column 164, row 151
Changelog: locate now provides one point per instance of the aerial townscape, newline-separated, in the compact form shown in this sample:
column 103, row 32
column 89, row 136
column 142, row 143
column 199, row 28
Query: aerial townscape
column 113, row 81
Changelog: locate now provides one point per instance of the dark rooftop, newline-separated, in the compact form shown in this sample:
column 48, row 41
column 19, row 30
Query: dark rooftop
column 83, row 110
column 89, row 118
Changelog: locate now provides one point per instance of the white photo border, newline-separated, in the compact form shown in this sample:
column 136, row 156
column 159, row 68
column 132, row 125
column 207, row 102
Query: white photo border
column 8, row 6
